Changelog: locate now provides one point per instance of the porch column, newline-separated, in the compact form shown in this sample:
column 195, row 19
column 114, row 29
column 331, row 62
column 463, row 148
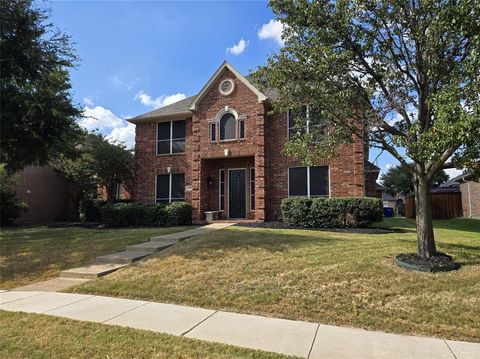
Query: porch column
column 260, row 197
column 196, row 170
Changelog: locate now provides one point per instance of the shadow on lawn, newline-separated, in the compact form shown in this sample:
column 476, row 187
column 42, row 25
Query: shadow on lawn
column 207, row 245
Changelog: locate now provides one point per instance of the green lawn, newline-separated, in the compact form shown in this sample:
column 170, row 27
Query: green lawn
column 40, row 336
column 328, row 277
column 31, row 254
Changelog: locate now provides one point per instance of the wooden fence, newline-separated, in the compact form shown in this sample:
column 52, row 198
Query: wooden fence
column 444, row 205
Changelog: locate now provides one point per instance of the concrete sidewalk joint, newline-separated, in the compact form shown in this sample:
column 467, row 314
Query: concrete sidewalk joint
column 303, row 339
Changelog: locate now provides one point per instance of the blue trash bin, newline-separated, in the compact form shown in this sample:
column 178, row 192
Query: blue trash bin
column 388, row 212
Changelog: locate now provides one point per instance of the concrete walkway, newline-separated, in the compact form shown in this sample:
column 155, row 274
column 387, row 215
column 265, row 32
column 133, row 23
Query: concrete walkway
column 303, row 339
column 110, row 263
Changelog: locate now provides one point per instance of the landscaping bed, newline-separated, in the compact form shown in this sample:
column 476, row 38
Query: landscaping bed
column 440, row 262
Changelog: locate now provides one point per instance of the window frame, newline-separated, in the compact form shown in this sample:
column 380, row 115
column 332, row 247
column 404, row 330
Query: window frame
column 171, row 139
column 220, row 193
column 212, row 130
column 235, row 138
column 252, row 189
column 307, row 127
column 308, row 182
column 170, row 176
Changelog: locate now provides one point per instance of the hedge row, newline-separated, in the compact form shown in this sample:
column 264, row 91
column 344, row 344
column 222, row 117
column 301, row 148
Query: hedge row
column 336, row 212
column 142, row 214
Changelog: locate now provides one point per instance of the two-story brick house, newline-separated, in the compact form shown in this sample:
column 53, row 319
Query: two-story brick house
column 221, row 150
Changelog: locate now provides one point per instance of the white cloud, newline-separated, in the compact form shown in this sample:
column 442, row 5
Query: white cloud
column 272, row 31
column 160, row 101
column 124, row 80
column 125, row 134
column 100, row 118
column 238, row 48
column 453, row 172
column 88, row 101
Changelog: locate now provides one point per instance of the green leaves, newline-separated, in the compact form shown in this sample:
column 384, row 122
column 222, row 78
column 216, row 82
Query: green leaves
column 38, row 118
column 369, row 61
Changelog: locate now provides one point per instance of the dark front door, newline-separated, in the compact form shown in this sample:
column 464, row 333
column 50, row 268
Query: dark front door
column 237, row 194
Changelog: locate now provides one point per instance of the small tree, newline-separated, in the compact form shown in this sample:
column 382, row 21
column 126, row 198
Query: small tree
column 10, row 207
column 398, row 74
column 113, row 163
column 396, row 180
column 38, row 119
column 98, row 163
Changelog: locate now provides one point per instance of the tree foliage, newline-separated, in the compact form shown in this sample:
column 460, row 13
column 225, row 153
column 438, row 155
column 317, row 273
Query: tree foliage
column 399, row 74
column 99, row 163
column 397, row 180
column 10, row 207
column 38, row 119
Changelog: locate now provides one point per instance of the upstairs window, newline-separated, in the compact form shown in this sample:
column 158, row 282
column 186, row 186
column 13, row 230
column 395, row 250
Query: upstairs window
column 227, row 127
column 308, row 181
column 311, row 121
column 213, row 130
column 171, row 137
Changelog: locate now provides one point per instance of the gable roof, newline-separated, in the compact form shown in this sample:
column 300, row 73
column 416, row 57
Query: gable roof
column 186, row 106
column 370, row 167
column 225, row 64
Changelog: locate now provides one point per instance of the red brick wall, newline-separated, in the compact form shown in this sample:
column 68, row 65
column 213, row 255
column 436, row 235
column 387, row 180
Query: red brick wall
column 49, row 196
column 263, row 145
column 346, row 168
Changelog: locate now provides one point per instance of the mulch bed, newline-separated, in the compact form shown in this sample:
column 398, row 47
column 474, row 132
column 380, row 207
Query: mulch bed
column 440, row 262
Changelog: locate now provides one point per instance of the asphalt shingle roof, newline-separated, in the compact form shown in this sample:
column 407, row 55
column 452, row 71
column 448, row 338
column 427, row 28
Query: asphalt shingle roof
column 175, row 108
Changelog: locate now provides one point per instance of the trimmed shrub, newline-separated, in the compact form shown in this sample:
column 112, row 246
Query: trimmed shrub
column 178, row 213
column 335, row 212
column 146, row 214
column 90, row 210
column 296, row 211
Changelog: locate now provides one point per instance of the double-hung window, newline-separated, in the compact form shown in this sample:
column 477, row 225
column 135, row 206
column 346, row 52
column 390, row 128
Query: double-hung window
column 309, row 120
column 171, row 137
column 308, row 181
column 170, row 188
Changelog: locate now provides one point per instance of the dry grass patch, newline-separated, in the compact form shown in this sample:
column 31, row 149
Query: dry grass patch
column 31, row 254
column 328, row 277
column 40, row 336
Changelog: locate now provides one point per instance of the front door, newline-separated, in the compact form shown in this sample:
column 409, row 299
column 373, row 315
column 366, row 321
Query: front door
column 237, row 194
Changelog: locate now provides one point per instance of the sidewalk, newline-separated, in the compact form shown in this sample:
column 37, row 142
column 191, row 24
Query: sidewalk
column 303, row 339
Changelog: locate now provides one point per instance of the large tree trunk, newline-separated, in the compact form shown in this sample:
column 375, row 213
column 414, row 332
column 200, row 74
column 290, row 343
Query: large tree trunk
column 423, row 207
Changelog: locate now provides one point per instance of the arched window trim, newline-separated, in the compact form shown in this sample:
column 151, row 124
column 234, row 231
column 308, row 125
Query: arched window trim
column 220, row 114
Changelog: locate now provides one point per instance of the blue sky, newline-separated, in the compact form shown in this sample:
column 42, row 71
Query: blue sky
column 139, row 55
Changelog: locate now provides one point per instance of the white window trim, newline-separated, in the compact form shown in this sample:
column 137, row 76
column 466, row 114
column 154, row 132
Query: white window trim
column 308, row 181
column 252, row 196
column 220, row 190
column 171, row 139
column 169, row 186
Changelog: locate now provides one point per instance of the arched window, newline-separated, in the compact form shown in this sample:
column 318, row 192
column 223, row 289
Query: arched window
column 227, row 127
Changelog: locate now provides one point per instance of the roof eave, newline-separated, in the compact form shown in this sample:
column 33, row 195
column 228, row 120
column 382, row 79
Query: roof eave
column 156, row 118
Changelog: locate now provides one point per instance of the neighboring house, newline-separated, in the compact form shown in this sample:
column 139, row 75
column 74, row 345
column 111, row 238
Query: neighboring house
column 221, row 150
column 469, row 187
column 123, row 192
column 49, row 196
